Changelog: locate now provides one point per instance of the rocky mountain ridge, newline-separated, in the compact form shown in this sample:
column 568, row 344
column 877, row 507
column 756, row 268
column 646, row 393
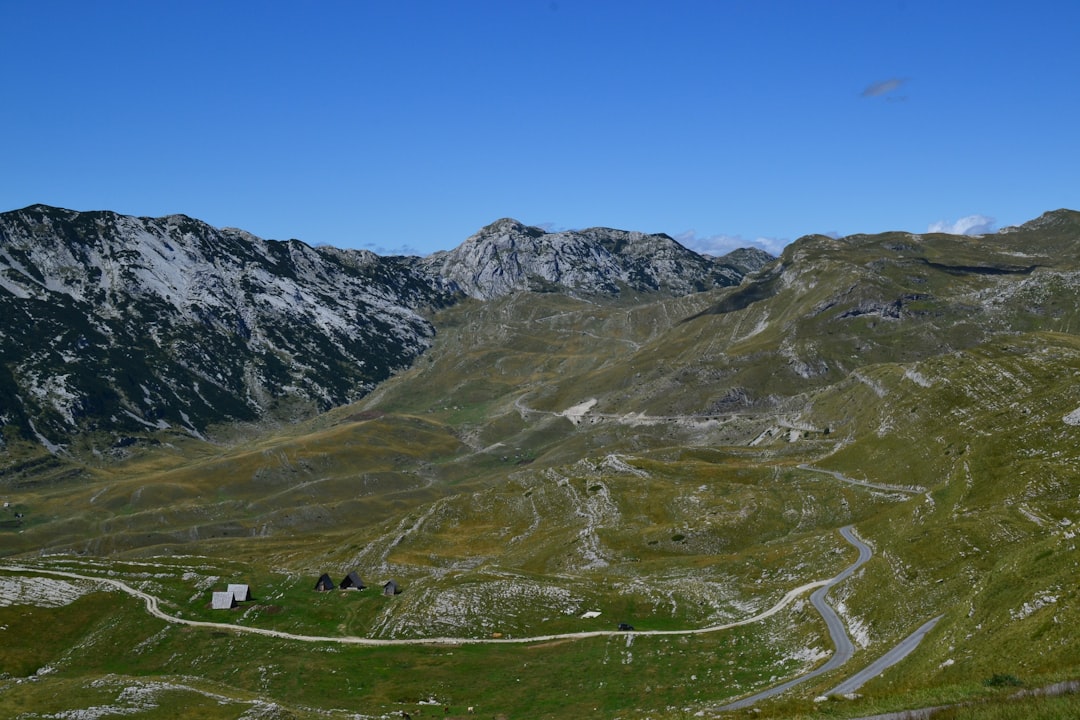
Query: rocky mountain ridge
column 124, row 324
column 507, row 256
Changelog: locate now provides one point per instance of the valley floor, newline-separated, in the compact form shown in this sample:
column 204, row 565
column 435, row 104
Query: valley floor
column 844, row 648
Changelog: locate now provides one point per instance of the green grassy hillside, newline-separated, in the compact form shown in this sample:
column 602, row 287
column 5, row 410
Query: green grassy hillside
column 662, row 463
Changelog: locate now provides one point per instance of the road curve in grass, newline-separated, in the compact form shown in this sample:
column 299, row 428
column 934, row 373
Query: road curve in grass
column 152, row 607
column 890, row 658
column 844, row 647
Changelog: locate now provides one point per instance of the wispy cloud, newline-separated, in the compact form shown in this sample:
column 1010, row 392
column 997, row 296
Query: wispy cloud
column 883, row 87
column 717, row 245
column 391, row 251
column 550, row 227
column 970, row 225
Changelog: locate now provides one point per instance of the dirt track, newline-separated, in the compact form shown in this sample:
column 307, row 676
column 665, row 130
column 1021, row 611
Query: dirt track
column 152, row 608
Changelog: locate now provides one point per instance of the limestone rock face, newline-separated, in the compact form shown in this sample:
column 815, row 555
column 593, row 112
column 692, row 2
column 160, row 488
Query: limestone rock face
column 122, row 324
column 507, row 257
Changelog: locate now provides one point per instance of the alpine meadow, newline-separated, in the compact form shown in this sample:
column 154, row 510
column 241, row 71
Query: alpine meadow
column 587, row 473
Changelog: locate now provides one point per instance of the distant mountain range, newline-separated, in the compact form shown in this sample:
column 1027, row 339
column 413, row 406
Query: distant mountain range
column 119, row 325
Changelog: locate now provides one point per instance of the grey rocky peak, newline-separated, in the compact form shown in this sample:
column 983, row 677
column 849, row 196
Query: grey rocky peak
column 507, row 256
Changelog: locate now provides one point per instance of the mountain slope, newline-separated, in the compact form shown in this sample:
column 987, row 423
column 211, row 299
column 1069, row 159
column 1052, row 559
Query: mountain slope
column 126, row 324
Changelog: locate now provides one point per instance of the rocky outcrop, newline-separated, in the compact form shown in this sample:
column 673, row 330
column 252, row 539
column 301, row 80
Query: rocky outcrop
column 507, row 257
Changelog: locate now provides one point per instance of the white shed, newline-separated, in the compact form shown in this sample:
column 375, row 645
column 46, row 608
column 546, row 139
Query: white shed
column 242, row 593
column 223, row 600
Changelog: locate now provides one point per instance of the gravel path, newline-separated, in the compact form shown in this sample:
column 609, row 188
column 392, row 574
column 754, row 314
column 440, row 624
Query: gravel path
column 153, row 608
column 906, row 489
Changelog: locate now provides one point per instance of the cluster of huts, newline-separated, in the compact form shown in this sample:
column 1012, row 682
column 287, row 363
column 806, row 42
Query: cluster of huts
column 352, row 581
column 228, row 599
column 237, row 593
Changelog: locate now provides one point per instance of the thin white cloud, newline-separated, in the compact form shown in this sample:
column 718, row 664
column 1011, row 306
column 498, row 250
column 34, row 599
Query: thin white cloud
column 550, row 227
column 883, row 87
column 717, row 245
column 406, row 250
column 970, row 225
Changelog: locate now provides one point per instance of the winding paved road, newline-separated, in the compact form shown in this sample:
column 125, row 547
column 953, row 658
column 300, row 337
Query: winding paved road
column 893, row 656
column 844, row 648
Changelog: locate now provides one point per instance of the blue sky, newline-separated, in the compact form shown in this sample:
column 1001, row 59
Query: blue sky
column 404, row 126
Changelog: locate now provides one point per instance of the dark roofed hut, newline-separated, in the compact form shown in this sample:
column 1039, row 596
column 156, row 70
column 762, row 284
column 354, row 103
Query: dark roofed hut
column 325, row 584
column 390, row 588
column 352, row 580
